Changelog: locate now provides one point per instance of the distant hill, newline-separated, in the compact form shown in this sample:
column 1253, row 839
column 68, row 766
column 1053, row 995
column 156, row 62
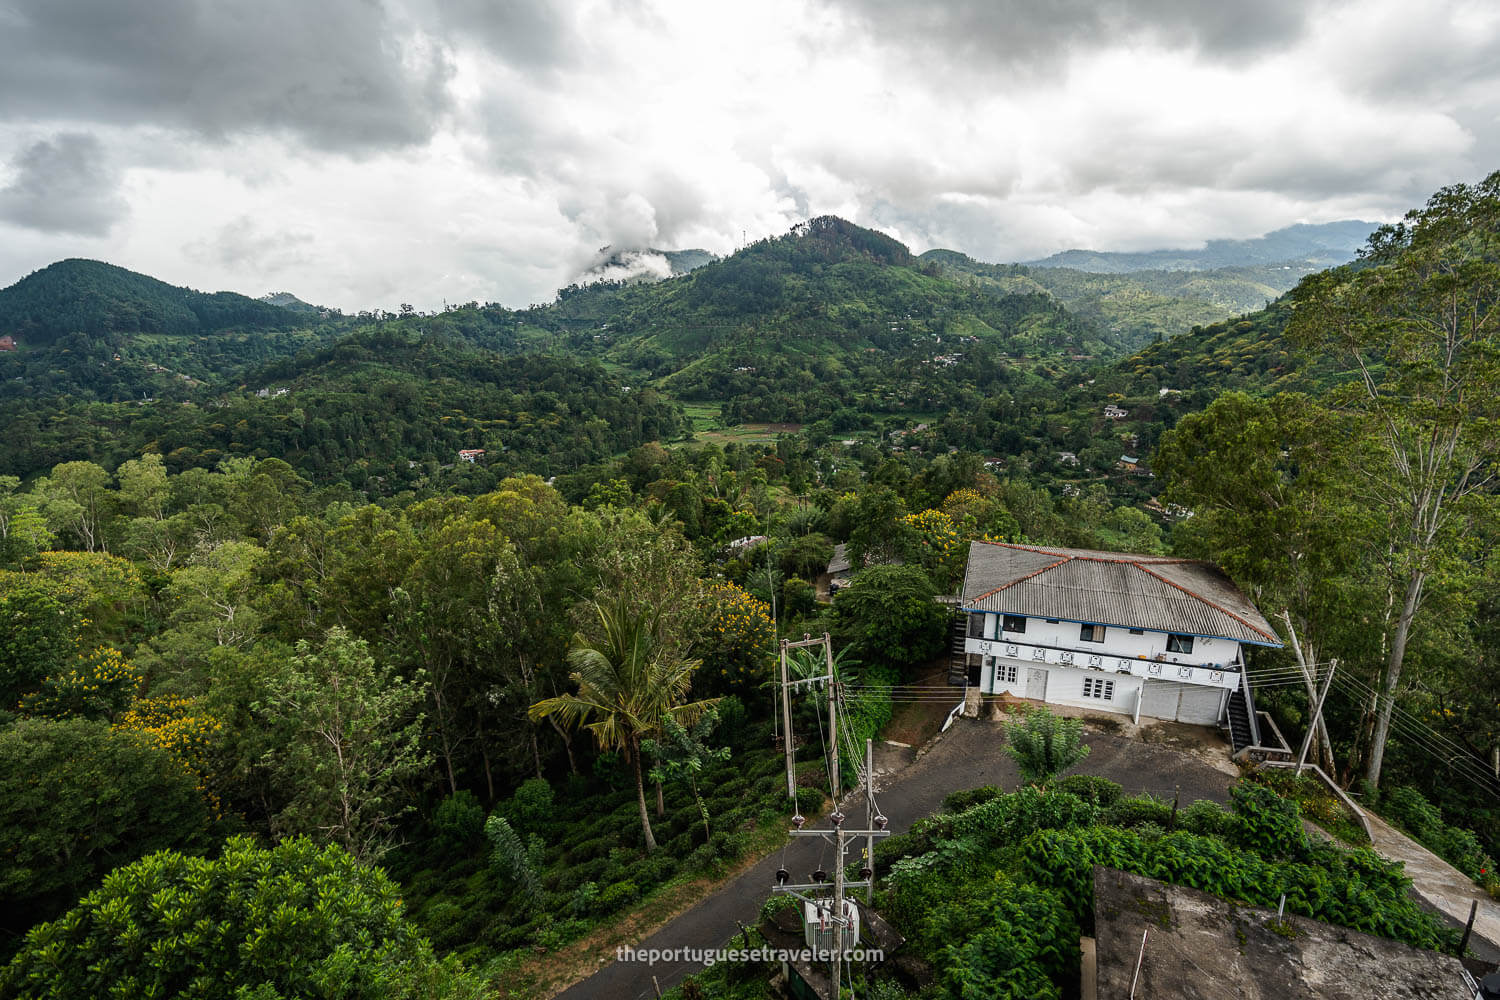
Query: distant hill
column 828, row 316
column 382, row 409
column 98, row 331
column 1325, row 245
column 286, row 300
column 1138, row 307
column 99, row 299
column 828, row 285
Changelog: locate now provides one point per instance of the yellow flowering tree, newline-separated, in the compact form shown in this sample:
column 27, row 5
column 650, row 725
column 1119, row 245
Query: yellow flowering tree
column 935, row 545
column 738, row 642
column 96, row 684
column 180, row 727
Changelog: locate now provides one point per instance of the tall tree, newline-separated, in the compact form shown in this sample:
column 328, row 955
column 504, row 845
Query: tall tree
column 1265, row 481
column 629, row 681
column 23, row 526
column 351, row 734
column 1417, row 322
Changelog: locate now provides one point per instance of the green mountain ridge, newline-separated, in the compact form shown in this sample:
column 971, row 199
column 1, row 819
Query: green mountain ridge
column 99, row 299
column 1320, row 245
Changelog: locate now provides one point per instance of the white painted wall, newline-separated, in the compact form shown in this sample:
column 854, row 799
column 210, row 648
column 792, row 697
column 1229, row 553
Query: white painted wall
column 1171, row 700
column 1117, row 642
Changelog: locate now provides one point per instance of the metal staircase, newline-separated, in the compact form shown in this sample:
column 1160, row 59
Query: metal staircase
column 957, row 659
column 1243, row 731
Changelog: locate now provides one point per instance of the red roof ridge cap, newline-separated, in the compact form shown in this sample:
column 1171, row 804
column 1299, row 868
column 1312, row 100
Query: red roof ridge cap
column 1019, row 579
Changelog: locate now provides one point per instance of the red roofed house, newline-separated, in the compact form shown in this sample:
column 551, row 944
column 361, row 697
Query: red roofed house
column 1140, row 635
column 7, row 343
column 471, row 455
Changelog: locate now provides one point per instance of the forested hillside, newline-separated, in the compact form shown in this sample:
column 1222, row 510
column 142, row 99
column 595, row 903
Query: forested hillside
column 380, row 410
column 1319, row 245
column 92, row 330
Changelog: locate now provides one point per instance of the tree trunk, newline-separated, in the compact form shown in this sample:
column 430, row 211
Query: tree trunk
column 567, row 744
column 661, row 808
column 1386, row 702
column 489, row 774
column 445, row 748
column 1307, row 660
column 640, row 792
column 702, row 810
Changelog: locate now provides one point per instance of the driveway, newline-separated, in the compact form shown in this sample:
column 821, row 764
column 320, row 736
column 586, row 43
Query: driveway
column 1163, row 761
column 1445, row 889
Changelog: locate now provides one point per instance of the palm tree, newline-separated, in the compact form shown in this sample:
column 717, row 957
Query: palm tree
column 628, row 682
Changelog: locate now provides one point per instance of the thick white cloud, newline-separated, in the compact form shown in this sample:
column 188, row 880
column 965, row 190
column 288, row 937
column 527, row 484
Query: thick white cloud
column 363, row 153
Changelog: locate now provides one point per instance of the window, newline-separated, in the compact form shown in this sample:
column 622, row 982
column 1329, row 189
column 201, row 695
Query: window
column 1137, row 631
column 976, row 626
column 1091, row 633
column 1099, row 687
column 1005, row 673
column 1179, row 643
column 1014, row 623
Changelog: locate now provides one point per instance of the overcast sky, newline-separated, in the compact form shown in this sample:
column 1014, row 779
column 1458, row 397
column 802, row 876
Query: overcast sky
column 364, row 153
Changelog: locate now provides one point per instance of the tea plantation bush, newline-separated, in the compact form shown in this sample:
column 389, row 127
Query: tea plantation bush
column 994, row 896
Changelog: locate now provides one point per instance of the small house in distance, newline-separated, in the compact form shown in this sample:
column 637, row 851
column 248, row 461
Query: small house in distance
column 1140, row 635
column 471, row 455
column 8, row 343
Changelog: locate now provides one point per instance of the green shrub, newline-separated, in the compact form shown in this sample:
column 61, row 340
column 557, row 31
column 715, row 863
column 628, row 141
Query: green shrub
column 458, row 820
column 585, row 900
column 959, row 801
column 531, row 807
column 1091, row 788
column 1026, row 943
column 1133, row 810
column 618, row 896
column 1044, row 745
column 1010, row 818
column 1266, row 823
column 810, row 801
column 295, row 920
column 1205, row 817
column 733, row 716
column 778, row 902
column 510, row 858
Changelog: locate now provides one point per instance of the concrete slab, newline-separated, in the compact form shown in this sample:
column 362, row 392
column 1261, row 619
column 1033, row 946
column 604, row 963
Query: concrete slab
column 1167, row 942
column 1445, row 888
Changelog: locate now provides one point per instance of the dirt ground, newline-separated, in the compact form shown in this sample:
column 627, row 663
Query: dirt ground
column 920, row 713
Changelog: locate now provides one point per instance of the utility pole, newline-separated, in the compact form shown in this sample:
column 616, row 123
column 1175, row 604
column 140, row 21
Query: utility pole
column 786, row 729
column 1317, row 716
column 833, row 725
column 875, row 825
column 870, row 817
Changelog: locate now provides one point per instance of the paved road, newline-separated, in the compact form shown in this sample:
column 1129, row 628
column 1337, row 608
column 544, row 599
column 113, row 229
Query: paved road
column 1445, row 889
column 967, row 756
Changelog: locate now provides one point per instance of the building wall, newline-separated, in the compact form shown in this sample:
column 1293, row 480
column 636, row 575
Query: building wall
column 1148, row 697
column 1118, row 642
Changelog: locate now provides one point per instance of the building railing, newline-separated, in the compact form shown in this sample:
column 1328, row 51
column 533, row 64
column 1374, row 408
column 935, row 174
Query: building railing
column 1158, row 667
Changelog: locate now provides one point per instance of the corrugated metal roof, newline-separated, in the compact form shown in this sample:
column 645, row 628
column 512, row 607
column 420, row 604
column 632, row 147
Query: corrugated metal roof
column 1112, row 588
column 840, row 562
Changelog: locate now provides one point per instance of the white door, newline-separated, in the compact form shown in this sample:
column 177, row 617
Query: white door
column 1200, row 705
column 1159, row 699
column 1036, row 683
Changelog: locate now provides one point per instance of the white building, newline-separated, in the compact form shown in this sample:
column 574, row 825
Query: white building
column 1139, row 635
